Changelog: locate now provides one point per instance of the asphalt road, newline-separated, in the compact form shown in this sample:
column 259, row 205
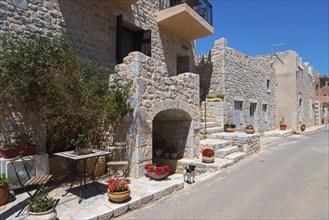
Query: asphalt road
column 286, row 180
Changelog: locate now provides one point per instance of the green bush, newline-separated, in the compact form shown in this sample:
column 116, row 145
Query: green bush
column 64, row 91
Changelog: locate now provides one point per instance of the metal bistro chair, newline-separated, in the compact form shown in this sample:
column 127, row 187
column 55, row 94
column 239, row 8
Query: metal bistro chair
column 38, row 181
column 118, row 158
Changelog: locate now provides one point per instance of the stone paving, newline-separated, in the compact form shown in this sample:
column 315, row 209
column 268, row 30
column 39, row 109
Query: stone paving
column 96, row 205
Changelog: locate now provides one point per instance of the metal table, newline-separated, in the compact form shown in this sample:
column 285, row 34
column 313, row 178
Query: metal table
column 75, row 170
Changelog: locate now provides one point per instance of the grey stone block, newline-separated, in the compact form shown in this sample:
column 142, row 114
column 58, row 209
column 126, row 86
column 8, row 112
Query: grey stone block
column 168, row 190
column 146, row 199
column 20, row 3
column 120, row 210
column 135, row 204
column 157, row 195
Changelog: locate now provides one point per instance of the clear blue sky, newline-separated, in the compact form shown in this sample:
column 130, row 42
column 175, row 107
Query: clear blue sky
column 253, row 26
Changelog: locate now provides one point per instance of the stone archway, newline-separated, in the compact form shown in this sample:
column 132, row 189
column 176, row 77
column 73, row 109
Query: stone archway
column 171, row 131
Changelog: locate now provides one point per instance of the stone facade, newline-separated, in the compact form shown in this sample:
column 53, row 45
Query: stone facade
column 92, row 25
column 166, row 104
column 297, row 83
column 247, row 83
column 165, row 108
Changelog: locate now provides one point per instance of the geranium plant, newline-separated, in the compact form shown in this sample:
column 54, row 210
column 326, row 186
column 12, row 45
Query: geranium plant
column 116, row 185
column 208, row 152
column 157, row 170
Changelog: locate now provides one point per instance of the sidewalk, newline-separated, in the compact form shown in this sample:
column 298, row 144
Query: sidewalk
column 96, row 205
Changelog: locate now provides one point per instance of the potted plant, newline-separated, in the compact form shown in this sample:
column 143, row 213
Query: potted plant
column 166, row 153
column 10, row 150
column 173, row 152
column 157, row 172
column 157, row 151
column 208, row 155
column 250, row 129
column 118, row 190
column 27, row 147
column 302, row 127
column 43, row 208
column 283, row 126
column 4, row 189
column 81, row 144
column 229, row 127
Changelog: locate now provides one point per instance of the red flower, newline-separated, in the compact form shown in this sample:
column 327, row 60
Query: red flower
column 116, row 185
column 153, row 168
column 208, row 152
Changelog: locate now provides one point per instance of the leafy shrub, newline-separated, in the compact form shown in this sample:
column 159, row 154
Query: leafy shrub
column 229, row 125
column 64, row 91
column 41, row 204
column 3, row 178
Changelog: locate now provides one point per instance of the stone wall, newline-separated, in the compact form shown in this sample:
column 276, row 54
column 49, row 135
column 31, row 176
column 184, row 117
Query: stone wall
column 92, row 25
column 296, row 90
column 241, row 78
column 306, row 77
column 154, row 94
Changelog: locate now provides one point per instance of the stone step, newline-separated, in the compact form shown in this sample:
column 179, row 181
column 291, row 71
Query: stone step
column 214, row 135
column 214, row 144
column 208, row 124
column 222, row 152
column 201, row 167
column 235, row 157
column 212, row 130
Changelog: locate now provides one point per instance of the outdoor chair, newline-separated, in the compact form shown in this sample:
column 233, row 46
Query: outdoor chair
column 38, row 181
column 118, row 159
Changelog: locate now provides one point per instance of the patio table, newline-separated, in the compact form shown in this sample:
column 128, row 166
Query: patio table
column 75, row 170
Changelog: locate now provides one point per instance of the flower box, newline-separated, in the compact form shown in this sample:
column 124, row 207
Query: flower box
column 9, row 152
column 28, row 150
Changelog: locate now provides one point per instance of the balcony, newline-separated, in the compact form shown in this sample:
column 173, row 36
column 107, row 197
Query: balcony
column 189, row 19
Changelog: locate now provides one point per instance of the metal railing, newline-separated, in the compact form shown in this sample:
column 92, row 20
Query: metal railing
column 202, row 7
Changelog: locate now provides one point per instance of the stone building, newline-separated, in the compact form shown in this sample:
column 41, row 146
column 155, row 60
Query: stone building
column 322, row 96
column 161, row 31
column 258, row 90
column 296, row 86
column 247, row 85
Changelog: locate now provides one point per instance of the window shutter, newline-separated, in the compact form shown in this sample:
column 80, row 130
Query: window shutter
column 146, row 43
column 119, row 56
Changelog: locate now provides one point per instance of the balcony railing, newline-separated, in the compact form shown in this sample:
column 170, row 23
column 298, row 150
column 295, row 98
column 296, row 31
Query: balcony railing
column 202, row 7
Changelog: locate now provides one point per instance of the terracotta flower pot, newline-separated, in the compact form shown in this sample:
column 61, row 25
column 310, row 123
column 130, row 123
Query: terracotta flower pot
column 118, row 196
column 303, row 127
column 47, row 215
column 283, row 127
column 173, row 155
column 157, row 152
column 85, row 150
column 4, row 193
column 157, row 177
column 229, row 129
column 250, row 130
column 208, row 159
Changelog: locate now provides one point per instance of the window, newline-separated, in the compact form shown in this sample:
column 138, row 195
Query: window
column 131, row 38
column 264, row 114
column 183, row 64
column 268, row 85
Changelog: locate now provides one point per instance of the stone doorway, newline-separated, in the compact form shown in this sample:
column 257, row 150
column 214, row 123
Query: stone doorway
column 171, row 129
